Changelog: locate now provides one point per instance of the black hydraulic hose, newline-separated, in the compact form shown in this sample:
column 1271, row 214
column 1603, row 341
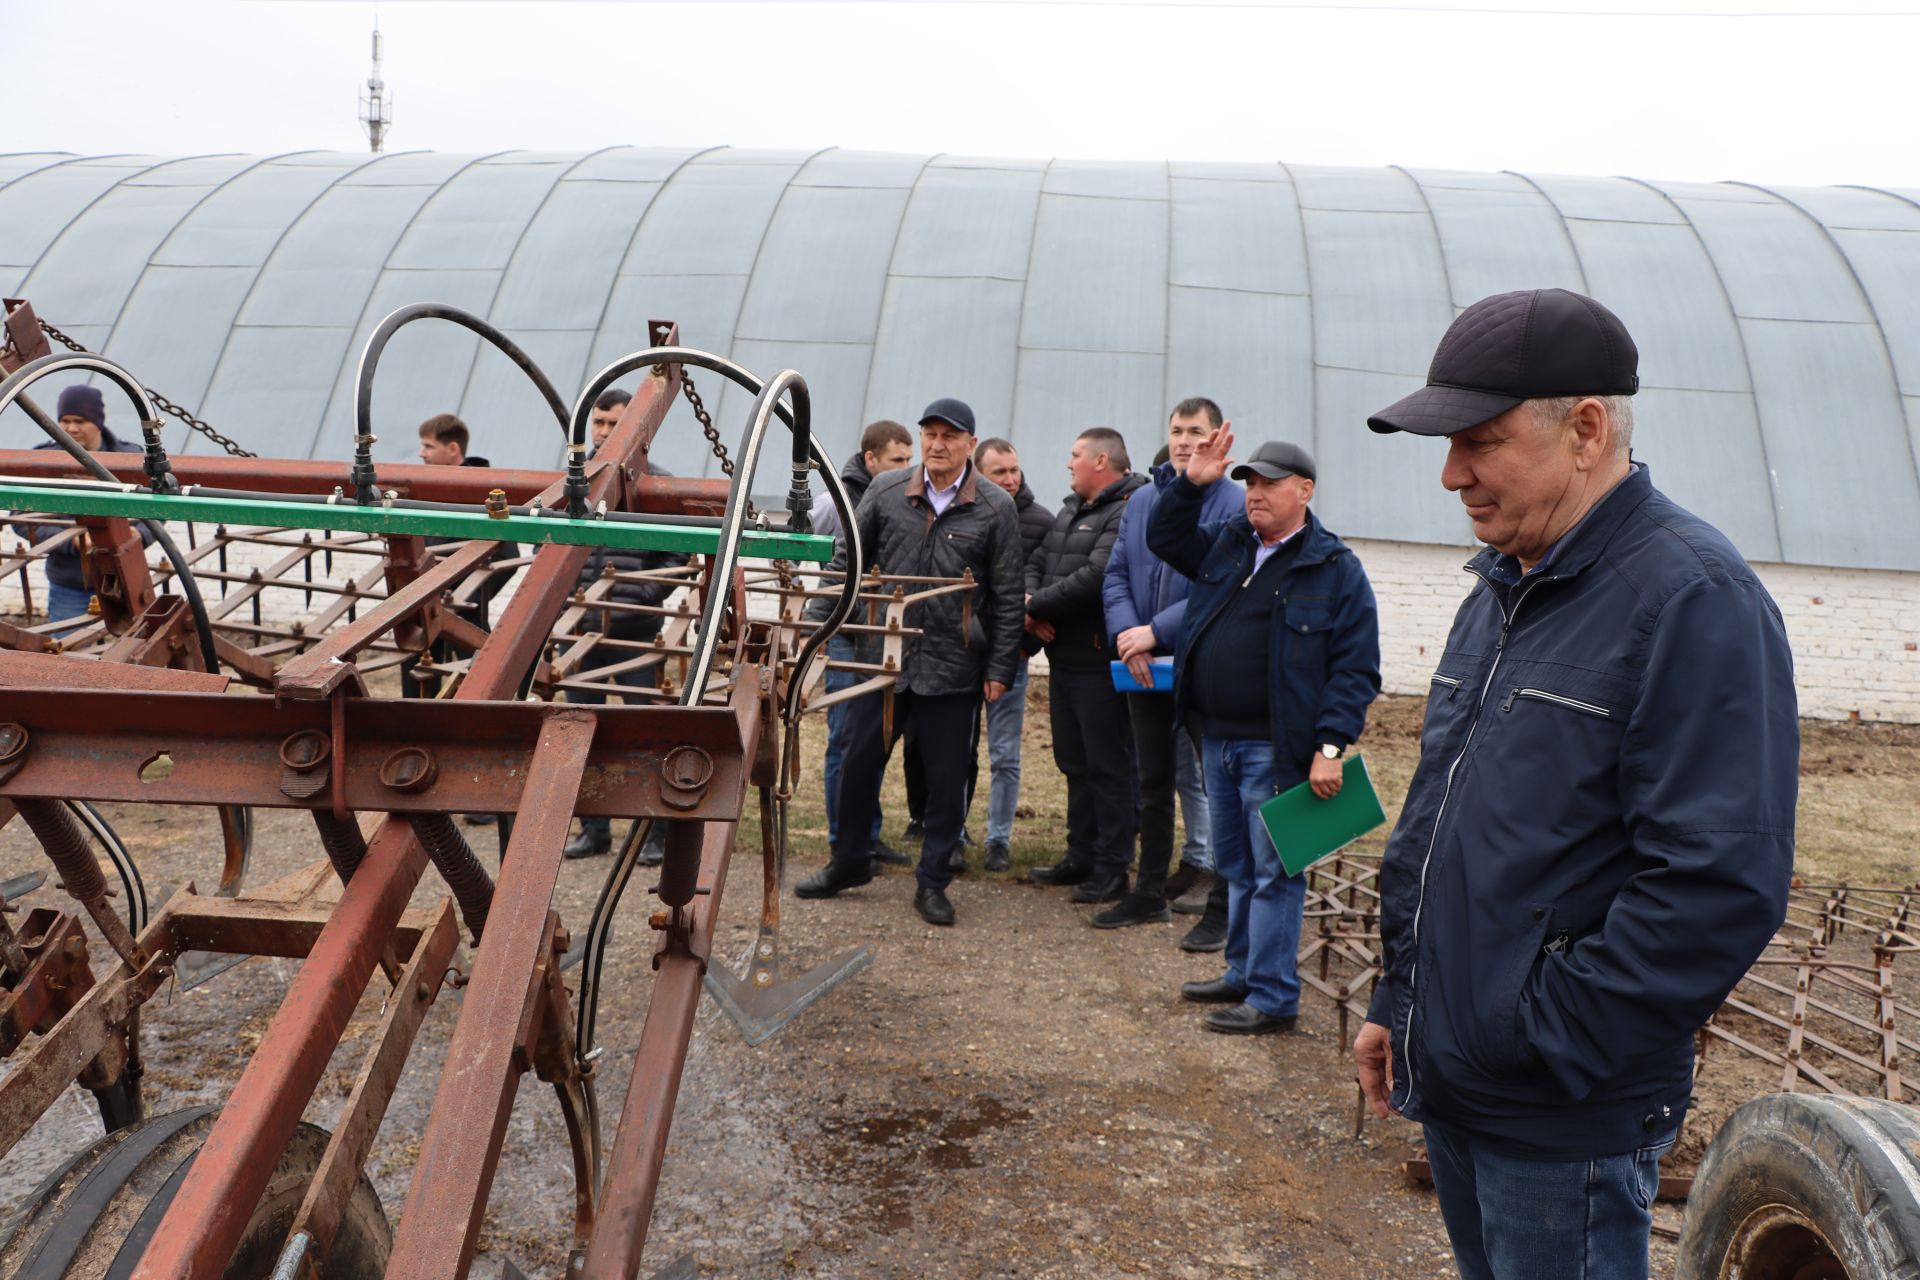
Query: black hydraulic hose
column 13, row 388
column 365, row 482
column 132, row 885
column 600, row 927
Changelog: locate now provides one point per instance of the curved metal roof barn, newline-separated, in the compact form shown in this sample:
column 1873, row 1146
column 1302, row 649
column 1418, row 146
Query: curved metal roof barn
column 1779, row 328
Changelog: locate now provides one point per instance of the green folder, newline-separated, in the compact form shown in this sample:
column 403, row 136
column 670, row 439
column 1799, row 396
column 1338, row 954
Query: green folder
column 1305, row 828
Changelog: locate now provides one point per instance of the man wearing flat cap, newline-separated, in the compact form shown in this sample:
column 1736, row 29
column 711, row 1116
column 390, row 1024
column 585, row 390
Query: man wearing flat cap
column 1277, row 662
column 1598, row 838
column 938, row 519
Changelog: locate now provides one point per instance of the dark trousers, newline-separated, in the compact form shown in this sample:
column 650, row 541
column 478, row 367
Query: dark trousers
column 915, row 771
column 944, row 726
column 1156, row 739
column 1093, row 745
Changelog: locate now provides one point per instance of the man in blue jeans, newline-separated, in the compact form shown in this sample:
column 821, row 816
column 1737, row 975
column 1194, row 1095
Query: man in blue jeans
column 999, row 462
column 82, row 413
column 1278, row 660
column 1598, row 838
column 884, row 446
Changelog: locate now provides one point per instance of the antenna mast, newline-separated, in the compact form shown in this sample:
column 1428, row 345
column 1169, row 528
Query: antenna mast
column 376, row 108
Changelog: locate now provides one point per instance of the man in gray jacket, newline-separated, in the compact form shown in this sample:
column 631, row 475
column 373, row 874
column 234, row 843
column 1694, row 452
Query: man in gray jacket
column 939, row 519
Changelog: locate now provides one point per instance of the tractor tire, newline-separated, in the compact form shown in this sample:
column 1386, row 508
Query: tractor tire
column 94, row 1218
column 1807, row 1187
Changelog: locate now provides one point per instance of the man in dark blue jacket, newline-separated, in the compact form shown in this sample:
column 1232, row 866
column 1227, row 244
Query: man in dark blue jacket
column 1278, row 660
column 1598, row 838
column 82, row 413
column 1146, row 603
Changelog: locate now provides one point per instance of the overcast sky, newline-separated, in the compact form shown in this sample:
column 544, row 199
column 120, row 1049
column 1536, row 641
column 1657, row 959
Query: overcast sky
column 1649, row 89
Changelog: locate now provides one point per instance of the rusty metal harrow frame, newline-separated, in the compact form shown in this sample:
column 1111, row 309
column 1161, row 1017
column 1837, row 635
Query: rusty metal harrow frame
column 87, row 712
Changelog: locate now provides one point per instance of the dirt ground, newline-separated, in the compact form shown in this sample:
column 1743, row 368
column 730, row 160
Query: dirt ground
column 1020, row 1096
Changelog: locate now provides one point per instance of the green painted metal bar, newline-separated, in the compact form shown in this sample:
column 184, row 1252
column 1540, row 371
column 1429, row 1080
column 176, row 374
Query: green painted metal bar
column 61, row 500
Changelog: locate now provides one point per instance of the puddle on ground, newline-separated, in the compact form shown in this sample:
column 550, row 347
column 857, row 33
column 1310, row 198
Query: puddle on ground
column 886, row 1155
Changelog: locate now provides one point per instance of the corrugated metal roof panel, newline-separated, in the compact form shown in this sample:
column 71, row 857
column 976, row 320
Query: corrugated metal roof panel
column 1062, row 393
column 1887, row 264
column 1748, row 242
column 565, row 265
column 1369, row 190
column 947, row 337
column 1237, row 235
column 38, row 207
column 1250, row 353
column 1703, row 447
column 476, row 219
column 1663, row 286
column 969, row 222
column 1605, row 199
column 1375, row 486
column 1099, row 276
column 321, row 272
column 1116, row 180
column 866, row 170
column 631, row 164
column 823, row 266
column 708, row 220
column 1808, row 380
column 239, row 224
column 1495, row 241
column 85, row 275
column 1380, row 299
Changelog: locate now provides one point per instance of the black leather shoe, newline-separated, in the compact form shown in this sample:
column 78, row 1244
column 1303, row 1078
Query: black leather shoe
column 1208, row 935
column 1103, row 889
column 1134, row 909
column 1245, row 1020
column 957, row 860
column 933, row 906
column 1217, row 991
column 588, row 844
column 915, row 830
column 997, row 857
column 832, row 878
column 1064, row 872
column 654, row 851
column 890, row 856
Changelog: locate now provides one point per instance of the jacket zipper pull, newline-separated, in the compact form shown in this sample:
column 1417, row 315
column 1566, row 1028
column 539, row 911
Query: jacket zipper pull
column 1511, row 695
column 1555, row 947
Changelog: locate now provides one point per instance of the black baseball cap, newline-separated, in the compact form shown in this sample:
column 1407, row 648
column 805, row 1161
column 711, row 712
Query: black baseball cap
column 957, row 414
column 1276, row 459
column 1512, row 347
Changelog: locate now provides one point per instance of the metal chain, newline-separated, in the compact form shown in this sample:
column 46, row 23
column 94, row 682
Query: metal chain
column 706, row 423
column 713, row 434
column 160, row 402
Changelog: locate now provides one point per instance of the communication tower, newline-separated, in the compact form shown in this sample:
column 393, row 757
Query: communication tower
column 376, row 108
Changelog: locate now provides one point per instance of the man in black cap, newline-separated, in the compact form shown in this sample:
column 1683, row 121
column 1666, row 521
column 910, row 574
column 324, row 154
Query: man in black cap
column 1598, row 838
column 1278, row 661
column 82, row 414
column 939, row 519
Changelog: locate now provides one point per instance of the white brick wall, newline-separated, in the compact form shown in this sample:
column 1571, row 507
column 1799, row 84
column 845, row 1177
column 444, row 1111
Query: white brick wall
column 1854, row 631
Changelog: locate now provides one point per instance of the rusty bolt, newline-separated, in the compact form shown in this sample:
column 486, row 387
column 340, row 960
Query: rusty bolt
column 421, row 991
column 659, row 920
column 497, row 504
column 13, row 743
column 409, row 769
column 305, row 749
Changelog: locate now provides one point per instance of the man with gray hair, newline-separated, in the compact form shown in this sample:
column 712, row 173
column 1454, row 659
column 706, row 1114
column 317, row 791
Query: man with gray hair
column 1598, row 838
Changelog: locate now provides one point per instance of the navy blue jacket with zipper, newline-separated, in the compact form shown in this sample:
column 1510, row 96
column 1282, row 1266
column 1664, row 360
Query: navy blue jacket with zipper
column 1325, row 638
column 1598, row 838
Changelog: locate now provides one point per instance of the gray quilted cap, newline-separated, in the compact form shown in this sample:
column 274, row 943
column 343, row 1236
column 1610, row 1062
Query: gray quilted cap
column 1513, row 347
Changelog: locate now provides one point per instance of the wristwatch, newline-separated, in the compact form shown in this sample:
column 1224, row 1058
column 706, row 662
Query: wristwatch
column 1331, row 752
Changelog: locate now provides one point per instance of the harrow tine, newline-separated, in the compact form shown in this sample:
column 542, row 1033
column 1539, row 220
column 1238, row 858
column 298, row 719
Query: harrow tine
column 762, row 1004
column 18, row 887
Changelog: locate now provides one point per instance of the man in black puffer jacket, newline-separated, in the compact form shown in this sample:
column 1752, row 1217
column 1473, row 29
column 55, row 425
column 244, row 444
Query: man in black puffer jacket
column 938, row 519
column 1092, row 738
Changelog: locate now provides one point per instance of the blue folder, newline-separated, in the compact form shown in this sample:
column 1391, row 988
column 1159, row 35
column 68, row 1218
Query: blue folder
column 1162, row 677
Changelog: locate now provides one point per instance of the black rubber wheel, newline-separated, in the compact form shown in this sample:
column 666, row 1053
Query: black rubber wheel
column 1807, row 1187
column 93, row 1218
